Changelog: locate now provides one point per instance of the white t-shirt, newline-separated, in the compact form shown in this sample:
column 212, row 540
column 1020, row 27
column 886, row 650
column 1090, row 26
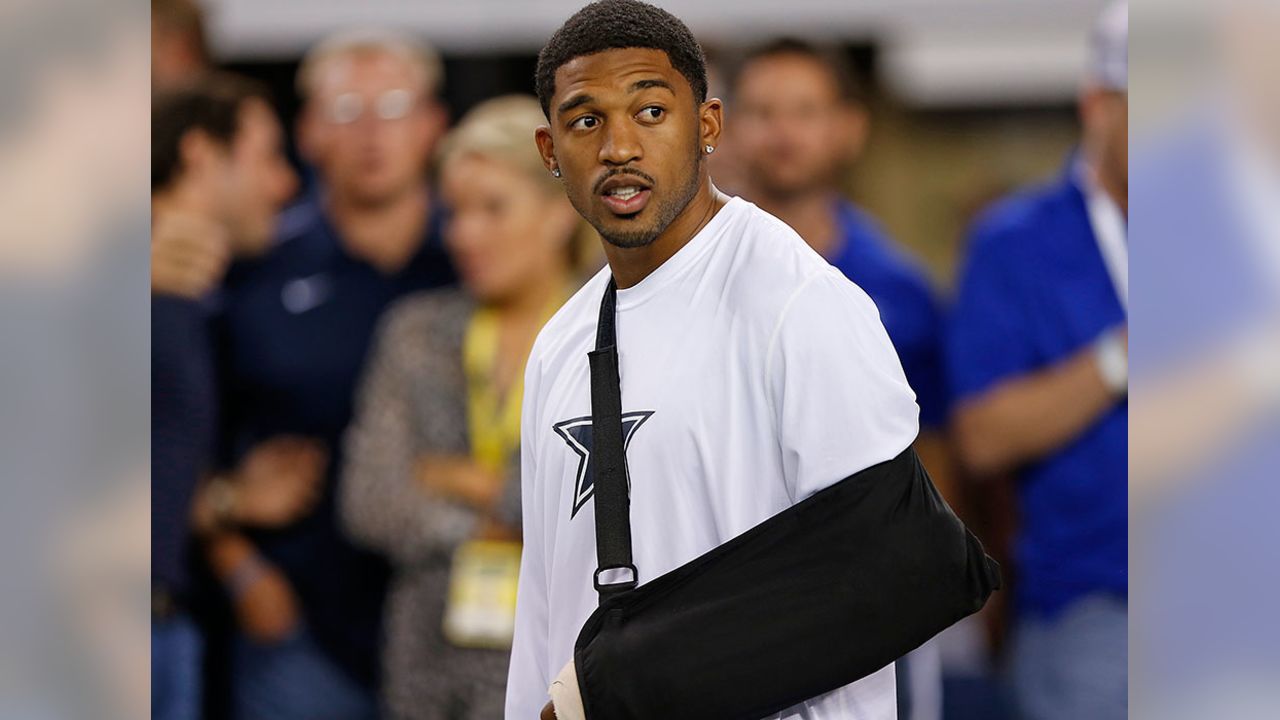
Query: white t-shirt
column 753, row 374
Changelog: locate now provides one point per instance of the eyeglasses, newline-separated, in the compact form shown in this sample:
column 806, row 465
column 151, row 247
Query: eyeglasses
column 390, row 105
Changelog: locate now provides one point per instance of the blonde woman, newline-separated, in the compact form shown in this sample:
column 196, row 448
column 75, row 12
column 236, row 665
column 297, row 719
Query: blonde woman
column 432, row 474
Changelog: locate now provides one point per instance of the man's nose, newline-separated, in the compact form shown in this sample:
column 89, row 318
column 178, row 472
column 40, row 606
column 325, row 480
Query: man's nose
column 621, row 144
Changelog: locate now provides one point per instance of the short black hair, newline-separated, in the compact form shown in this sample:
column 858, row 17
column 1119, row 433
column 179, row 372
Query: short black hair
column 211, row 104
column 617, row 24
column 831, row 59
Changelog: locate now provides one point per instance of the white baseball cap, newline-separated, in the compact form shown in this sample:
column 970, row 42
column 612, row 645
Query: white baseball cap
column 1109, row 49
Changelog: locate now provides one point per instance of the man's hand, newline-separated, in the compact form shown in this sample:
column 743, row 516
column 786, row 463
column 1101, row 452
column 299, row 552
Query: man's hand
column 460, row 478
column 279, row 481
column 566, row 698
column 548, row 712
column 189, row 254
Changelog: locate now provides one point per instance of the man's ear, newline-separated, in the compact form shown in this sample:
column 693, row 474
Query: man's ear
column 546, row 147
column 198, row 153
column 437, row 122
column 711, row 121
column 1089, row 108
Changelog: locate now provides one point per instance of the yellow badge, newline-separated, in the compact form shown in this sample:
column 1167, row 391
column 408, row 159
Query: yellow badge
column 481, row 611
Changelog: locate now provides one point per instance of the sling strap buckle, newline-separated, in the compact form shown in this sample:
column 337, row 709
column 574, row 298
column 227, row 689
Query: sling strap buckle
column 615, row 579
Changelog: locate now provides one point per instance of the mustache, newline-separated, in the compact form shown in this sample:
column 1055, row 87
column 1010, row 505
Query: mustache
column 622, row 171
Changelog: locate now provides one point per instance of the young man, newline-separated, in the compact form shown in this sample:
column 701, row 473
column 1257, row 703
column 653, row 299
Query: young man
column 1037, row 353
column 753, row 374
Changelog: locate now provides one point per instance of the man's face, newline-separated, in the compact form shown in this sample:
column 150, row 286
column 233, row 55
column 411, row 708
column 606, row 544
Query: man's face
column 368, row 128
column 256, row 180
column 789, row 124
column 626, row 133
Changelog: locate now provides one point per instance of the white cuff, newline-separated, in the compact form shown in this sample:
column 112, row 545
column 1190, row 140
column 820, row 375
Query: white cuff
column 1112, row 357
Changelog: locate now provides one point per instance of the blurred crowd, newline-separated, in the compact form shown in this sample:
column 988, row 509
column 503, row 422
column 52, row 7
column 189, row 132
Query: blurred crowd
column 338, row 347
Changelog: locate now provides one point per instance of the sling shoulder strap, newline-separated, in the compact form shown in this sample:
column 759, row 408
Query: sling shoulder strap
column 616, row 573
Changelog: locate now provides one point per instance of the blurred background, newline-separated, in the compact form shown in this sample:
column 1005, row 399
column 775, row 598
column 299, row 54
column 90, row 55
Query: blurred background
column 969, row 98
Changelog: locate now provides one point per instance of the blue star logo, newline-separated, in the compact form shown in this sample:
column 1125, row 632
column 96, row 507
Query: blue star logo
column 577, row 434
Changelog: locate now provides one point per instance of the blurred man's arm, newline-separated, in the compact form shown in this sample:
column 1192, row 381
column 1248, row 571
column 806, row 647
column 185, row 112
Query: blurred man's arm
column 275, row 485
column 1026, row 417
column 265, row 606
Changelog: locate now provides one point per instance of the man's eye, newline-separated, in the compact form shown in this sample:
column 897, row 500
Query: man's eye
column 585, row 122
column 653, row 112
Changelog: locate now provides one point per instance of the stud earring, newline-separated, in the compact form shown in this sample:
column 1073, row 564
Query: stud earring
column 555, row 172
column 709, row 148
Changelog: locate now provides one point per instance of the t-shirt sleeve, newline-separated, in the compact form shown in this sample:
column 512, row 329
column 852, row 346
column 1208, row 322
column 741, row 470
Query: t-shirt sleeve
column 988, row 336
column 839, row 394
column 528, row 676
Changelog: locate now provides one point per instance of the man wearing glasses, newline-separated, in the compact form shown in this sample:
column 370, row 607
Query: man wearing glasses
column 296, row 327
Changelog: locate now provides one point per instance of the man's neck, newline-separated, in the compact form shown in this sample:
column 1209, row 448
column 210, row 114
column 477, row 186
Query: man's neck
column 1118, row 194
column 631, row 265
column 1116, row 191
column 810, row 215
column 386, row 235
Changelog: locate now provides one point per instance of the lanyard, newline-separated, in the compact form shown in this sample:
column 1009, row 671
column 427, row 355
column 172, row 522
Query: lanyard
column 493, row 419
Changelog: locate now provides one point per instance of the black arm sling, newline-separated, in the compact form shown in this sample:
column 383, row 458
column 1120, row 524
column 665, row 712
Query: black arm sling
column 818, row 596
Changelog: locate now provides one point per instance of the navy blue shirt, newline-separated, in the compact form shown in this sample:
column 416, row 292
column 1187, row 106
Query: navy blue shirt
column 908, row 308
column 294, row 334
column 1033, row 291
column 183, row 429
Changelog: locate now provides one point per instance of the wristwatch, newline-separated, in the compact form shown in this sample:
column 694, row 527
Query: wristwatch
column 222, row 498
column 1112, row 357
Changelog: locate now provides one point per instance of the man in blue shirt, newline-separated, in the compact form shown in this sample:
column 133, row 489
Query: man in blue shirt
column 295, row 330
column 1037, row 359
column 798, row 121
column 798, row 124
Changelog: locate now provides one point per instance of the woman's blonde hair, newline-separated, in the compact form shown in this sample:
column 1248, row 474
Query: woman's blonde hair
column 502, row 129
